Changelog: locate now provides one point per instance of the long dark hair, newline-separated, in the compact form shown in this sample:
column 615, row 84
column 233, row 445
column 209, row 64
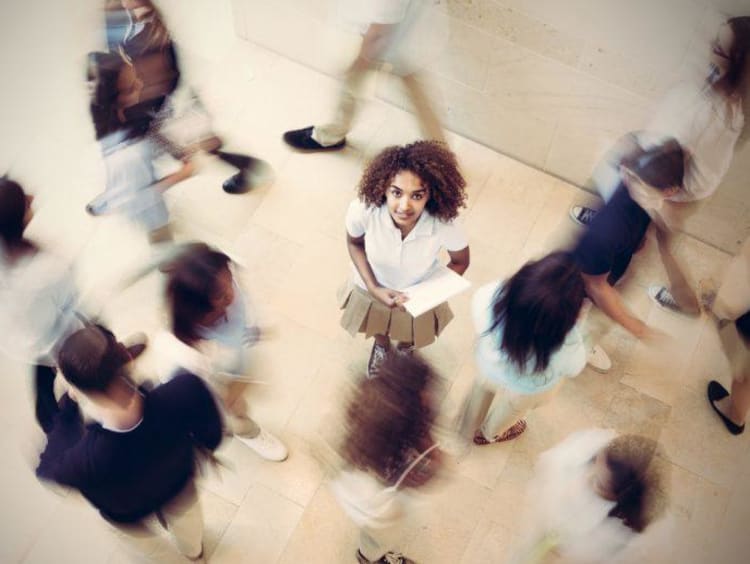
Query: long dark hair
column 637, row 481
column 13, row 206
column 662, row 166
column 739, row 54
column 536, row 308
column 389, row 415
column 102, row 73
column 191, row 287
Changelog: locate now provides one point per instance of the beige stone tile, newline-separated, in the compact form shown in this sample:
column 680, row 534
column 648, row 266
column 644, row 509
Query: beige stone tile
column 218, row 514
column 323, row 534
column 698, row 506
column 466, row 56
column 444, row 520
column 634, row 74
column 261, row 528
column 490, row 543
column 632, row 412
column 71, row 527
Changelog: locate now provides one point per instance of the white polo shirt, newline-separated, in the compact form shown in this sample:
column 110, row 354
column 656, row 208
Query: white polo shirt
column 397, row 263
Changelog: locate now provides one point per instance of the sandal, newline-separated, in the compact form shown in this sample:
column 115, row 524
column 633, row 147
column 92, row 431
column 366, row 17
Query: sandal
column 518, row 428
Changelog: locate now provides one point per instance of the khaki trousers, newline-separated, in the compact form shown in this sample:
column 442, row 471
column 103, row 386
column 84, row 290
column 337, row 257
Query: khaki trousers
column 183, row 518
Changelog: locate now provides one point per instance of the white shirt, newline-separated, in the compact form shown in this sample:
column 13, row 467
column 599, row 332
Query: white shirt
column 38, row 300
column 497, row 369
column 397, row 263
column 563, row 503
column 707, row 126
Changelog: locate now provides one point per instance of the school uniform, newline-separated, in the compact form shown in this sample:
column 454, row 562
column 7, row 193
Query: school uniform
column 397, row 264
column 502, row 393
column 613, row 237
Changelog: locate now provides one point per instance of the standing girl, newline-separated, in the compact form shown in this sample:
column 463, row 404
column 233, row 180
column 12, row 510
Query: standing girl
column 408, row 200
column 210, row 337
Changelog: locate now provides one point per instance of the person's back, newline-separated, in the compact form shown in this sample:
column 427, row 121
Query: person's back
column 129, row 474
column 136, row 462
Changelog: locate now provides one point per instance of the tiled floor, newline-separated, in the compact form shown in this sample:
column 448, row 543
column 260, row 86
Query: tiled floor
column 290, row 238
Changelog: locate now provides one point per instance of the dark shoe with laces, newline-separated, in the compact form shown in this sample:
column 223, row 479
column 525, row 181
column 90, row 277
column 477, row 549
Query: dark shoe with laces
column 302, row 140
column 665, row 300
column 377, row 356
column 389, row 557
column 718, row 392
column 248, row 178
column 582, row 215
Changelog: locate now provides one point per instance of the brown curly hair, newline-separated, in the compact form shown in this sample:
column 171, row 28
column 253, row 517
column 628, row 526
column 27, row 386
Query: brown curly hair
column 434, row 164
column 388, row 416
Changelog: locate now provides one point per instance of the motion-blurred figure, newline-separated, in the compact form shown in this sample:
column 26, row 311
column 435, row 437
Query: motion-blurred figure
column 618, row 231
column 122, row 127
column 184, row 130
column 211, row 337
column 38, row 295
column 388, row 452
column 403, row 33
column 528, row 343
column 135, row 463
column 590, row 496
column 707, row 119
column 730, row 307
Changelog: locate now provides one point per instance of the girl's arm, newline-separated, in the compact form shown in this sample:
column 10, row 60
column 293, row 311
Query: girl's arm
column 609, row 301
column 185, row 171
column 356, row 247
column 459, row 260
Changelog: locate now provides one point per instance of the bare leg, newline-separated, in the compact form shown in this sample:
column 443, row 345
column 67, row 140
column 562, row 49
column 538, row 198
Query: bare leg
column 737, row 404
column 679, row 286
column 428, row 120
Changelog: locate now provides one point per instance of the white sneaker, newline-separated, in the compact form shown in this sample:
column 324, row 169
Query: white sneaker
column 266, row 445
column 598, row 359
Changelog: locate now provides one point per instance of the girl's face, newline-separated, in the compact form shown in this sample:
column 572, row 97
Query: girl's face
column 222, row 298
column 721, row 47
column 406, row 199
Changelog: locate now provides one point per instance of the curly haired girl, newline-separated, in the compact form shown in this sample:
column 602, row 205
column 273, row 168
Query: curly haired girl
column 408, row 200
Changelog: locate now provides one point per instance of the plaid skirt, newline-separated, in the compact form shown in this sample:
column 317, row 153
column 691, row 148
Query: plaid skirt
column 364, row 314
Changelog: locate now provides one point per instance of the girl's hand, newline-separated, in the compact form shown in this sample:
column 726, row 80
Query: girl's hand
column 391, row 298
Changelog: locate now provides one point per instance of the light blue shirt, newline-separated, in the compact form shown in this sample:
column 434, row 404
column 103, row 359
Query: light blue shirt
column 498, row 370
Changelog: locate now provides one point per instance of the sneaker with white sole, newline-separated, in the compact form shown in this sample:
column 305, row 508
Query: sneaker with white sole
column 266, row 445
column 665, row 300
column 582, row 215
column 598, row 359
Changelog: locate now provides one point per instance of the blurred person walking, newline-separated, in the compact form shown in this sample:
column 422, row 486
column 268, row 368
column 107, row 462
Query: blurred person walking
column 148, row 44
column 405, row 34
column 707, row 120
column 135, row 462
column 39, row 298
column 528, row 342
column 618, row 231
column 389, row 454
column 590, row 496
column 211, row 336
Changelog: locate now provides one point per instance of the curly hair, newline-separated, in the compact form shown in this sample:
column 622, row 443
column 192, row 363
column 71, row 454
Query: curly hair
column 388, row 415
column 434, row 164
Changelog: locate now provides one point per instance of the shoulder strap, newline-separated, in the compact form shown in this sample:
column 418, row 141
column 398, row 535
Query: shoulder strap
column 412, row 466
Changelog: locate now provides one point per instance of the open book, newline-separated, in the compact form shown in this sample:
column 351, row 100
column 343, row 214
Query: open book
column 442, row 285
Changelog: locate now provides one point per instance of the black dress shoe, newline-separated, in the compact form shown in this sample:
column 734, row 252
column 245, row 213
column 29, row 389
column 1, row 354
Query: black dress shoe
column 255, row 173
column 717, row 392
column 302, row 140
